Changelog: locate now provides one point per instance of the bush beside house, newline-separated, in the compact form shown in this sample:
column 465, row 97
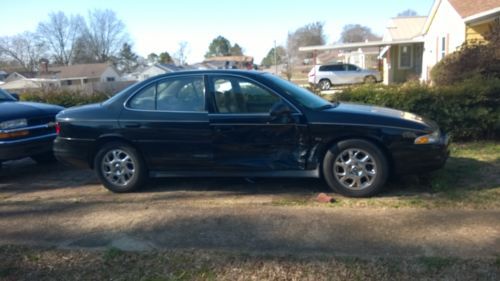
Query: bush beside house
column 471, row 60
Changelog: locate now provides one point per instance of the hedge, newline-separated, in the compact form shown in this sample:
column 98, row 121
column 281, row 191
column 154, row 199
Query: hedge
column 469, row 110
column 63, row 98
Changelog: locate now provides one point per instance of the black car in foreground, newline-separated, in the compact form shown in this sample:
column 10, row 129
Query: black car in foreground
column 27, row 129
column 229, row 123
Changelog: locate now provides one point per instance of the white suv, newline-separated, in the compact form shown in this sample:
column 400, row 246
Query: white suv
column 324, row 76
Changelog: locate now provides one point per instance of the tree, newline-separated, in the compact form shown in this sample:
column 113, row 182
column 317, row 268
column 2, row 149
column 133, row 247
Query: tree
column 353, row 33
column 268, row 60
column 165, row 58
column 408, row 13
column 60, row 33
column 182, row 52
column 220, row 46
column 307, row 35
column 236, row 50
column 153, row 58
column 24, row 48
column 105, row 34
column 127, row 59
column 82, row 53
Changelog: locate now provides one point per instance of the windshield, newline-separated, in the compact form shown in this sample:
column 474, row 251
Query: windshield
column 4, row 96
column 299, row 94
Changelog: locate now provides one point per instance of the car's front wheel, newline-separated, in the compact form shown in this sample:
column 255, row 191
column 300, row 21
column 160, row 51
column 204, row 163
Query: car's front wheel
column 120, row 167
column 355, row 168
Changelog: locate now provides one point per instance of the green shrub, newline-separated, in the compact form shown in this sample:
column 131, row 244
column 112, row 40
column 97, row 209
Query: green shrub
column 63, row 98
column 474, row 59
column 468, row 110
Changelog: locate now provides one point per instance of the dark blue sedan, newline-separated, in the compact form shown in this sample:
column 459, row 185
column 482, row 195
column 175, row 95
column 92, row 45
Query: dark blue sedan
column 244, row 124
column 27, row 129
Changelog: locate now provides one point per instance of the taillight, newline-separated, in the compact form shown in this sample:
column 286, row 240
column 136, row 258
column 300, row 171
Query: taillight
column 58, row 128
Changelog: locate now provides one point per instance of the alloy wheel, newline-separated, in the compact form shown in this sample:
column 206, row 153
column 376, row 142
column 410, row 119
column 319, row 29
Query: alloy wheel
column 355, row 169
column 118, row 167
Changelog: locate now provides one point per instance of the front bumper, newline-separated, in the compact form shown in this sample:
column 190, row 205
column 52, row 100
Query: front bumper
column 25, row 147
column 423, row 158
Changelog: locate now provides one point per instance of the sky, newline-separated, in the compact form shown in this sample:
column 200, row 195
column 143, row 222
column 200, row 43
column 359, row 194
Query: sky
column 158, row 26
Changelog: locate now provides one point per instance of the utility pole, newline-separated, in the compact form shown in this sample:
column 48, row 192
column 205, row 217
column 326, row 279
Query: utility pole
column 275, row 59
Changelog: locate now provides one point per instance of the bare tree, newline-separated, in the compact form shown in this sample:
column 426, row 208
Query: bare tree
column 357, row 33
column 105, row 34
column 307, row 35
column 408, row 13
column 24, row 48
column 60, row 34
column 182, row 52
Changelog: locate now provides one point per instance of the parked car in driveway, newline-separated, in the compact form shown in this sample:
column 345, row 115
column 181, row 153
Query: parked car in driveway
column 227, row 123
column 27, row 129
column 324, row 76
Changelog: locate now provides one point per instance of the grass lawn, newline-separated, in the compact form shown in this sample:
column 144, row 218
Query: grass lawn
column 470, row 179
column 21, row 263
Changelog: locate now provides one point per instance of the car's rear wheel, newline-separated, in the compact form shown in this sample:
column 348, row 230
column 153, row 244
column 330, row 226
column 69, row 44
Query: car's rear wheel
column 355, row 168
column 44, row 158
column 324, row 84
column 370, row 79
column 120, row 167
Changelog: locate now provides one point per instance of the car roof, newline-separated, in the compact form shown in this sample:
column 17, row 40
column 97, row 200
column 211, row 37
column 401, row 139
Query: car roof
column 214, row 71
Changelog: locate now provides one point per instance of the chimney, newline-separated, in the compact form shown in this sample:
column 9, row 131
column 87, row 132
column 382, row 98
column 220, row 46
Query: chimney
column 44, row 66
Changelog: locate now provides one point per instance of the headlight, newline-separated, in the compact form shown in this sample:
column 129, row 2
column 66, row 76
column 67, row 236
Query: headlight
column 11, row 124
column 428, row 139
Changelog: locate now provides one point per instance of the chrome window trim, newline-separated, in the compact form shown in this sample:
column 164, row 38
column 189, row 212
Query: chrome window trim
column 202, row 76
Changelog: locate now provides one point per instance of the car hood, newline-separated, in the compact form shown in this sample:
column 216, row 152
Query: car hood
column 352, row 113
column 11, row 110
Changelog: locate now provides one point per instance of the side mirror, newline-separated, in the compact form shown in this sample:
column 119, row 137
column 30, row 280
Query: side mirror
column 280, row 109
column 15, row 95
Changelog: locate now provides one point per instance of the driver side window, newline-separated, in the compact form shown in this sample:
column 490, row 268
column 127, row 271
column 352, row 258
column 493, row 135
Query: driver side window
column 236, row 95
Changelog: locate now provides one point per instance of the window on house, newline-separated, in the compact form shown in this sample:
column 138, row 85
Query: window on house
column 110, row 79
column 442, row 51
column 405, row 56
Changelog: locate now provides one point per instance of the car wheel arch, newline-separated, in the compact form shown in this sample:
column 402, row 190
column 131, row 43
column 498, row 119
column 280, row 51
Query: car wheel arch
column 103, row 140
column 327, row 145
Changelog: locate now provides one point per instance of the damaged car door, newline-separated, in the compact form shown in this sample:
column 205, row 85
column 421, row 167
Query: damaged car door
column 253, row 128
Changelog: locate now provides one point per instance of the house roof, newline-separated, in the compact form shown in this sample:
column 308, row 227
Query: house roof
column 467, row 8
column 231, row 58
column 404, row 28
column 92, row 70
column 168, row 67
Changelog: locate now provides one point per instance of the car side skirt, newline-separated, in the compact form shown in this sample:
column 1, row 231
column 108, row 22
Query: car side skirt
column 238, row 174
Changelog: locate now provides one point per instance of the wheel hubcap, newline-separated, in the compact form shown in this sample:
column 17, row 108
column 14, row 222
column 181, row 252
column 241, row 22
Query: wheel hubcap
column 355, row 169
column 118, row 167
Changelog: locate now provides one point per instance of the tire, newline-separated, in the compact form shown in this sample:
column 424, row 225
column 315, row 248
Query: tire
column 362, row 178
column 44, row 158
column 119, row 167
column 324, row 84
column 370, row 80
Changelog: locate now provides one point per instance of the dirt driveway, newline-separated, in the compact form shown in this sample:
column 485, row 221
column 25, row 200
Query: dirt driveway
column 58, row 206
